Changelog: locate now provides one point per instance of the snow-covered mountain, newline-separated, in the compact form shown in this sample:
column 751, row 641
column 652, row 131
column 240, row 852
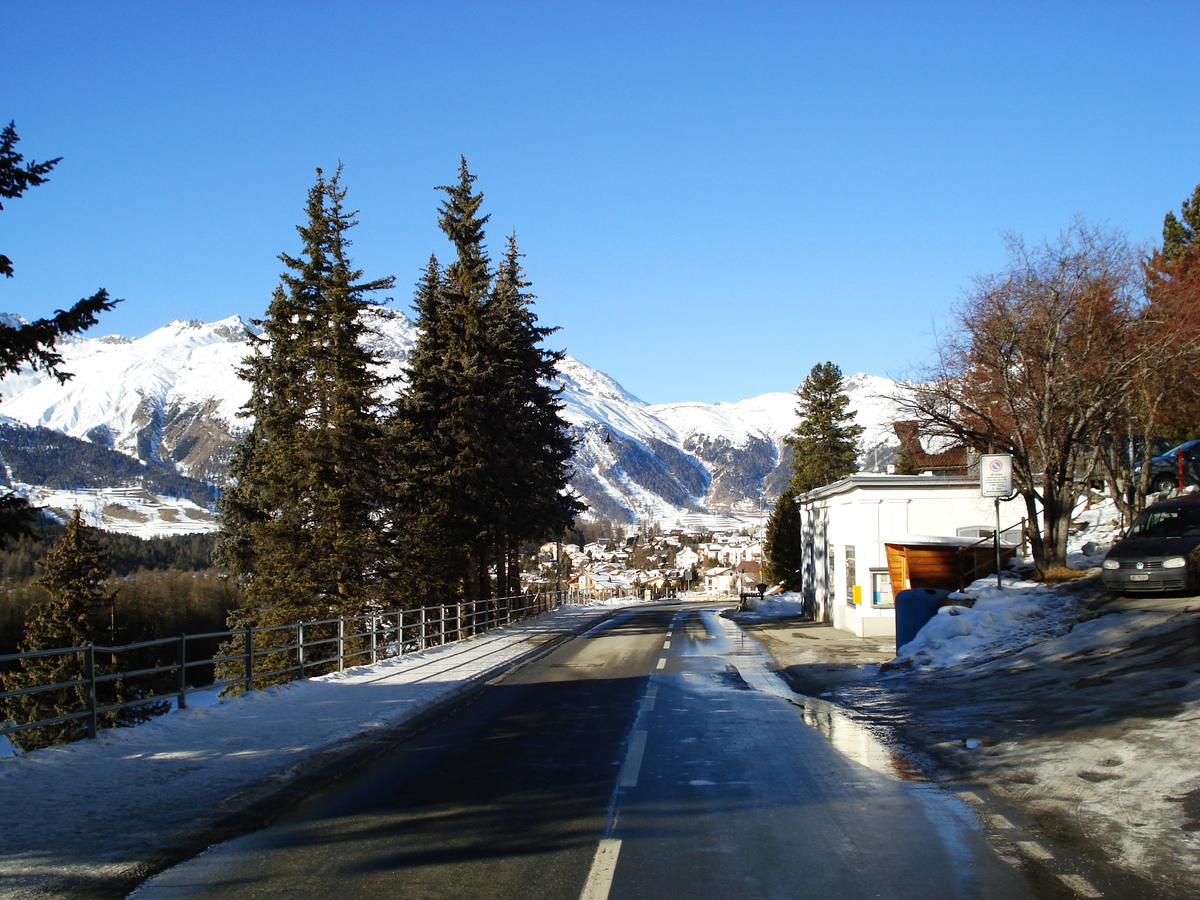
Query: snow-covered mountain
column 171, row 400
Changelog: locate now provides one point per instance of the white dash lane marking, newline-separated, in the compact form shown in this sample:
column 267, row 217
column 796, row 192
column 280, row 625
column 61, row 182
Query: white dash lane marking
column 648, row 700
column 633, row 759
column 1080, row 886
column 1034, row 850
column 667, row 644
column 1000, row 822
column 662, row 664
column 604, row 864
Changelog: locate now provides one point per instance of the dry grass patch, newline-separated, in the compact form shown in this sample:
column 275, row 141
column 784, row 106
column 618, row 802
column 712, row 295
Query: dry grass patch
column 1059, row 575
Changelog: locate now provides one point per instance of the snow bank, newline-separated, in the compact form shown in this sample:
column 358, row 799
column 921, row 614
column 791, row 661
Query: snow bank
column 777, row 606
column 1001, row 620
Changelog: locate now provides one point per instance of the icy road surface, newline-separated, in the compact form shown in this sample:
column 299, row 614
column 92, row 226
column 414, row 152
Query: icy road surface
column 657, row 755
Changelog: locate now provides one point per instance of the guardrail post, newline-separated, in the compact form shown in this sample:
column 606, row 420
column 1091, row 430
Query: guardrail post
column 341, row 644
column 89, row 671
column 400, row 633
column 181, row 678
column 300, row 646
column 249, row 657
column 374, row 625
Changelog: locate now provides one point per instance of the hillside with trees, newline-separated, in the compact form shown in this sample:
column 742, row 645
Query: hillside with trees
column 48, row 458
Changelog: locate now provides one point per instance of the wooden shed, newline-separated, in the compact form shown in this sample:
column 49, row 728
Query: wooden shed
column 948, row 563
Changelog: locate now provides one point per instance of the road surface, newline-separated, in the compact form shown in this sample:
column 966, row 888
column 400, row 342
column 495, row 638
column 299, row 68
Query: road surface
column 656, row 756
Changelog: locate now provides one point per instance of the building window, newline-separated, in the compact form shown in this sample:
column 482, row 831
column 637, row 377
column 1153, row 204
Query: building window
column 881, row 588
column 851, row 576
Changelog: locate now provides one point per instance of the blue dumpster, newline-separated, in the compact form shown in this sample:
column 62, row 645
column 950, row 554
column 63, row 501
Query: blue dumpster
column 915, row 607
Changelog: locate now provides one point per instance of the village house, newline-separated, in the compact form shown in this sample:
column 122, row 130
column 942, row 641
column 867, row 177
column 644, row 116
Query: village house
column 687, row 558
column 748, row 576
column 719, row 579
column 601, row 585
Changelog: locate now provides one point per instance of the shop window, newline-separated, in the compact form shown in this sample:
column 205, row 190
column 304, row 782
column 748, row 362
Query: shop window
column 881, row 588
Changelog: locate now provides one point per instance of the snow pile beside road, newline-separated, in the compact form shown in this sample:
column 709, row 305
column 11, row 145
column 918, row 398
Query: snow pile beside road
column 780, row 606
column 1002, row 620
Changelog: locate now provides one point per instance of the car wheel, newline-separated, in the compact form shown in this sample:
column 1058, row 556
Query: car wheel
column 1162, row 483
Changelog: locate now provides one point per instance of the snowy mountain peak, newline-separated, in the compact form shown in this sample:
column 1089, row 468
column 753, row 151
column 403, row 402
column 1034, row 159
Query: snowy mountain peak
column 171, row 399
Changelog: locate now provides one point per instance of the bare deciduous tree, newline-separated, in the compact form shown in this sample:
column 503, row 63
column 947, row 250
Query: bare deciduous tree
column 1038, row 363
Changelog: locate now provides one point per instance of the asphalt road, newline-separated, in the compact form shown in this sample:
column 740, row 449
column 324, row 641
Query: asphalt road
column 641, row 760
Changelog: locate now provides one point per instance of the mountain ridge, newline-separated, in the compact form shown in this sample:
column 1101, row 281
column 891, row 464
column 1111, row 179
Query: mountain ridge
column 172, row 399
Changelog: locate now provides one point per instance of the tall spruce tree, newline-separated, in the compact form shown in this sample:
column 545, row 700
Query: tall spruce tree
column 481, row 451
column 533, row 474
column 1181, row 234
column 33, row 344
column 299, row 524
column 782, row 544
column 75, row 575
column 825, row 441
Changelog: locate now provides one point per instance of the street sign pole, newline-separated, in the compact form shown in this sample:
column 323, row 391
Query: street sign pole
column 995, row 480
column 996, row 540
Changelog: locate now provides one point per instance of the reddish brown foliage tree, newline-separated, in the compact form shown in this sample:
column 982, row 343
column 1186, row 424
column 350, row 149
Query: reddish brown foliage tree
column 1037, row 364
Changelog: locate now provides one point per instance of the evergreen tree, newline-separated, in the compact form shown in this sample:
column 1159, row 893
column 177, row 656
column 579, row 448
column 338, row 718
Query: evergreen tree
column 424, row 527
column 825, row 442
column 75, row 577
column 480, row 446
column 782, row 545
column 537, row 448
column 33, row 344
column 299, row 525
column 1180, row 234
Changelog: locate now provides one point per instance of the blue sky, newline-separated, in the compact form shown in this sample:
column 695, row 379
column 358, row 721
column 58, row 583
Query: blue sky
column 711, row 197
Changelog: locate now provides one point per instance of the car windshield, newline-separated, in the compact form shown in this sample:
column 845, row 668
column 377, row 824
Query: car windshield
column 1175, row 451
column 1161, row 523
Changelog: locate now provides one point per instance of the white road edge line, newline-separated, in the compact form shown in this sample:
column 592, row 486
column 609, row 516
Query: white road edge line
column 1080, row 886
column 1034, row 850
column 604, row 864
column 633, row 759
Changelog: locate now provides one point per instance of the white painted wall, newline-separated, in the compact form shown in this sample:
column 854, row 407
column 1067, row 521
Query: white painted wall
column 867, row 511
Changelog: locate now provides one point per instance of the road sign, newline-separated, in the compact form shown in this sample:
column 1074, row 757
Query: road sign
column 995, row 475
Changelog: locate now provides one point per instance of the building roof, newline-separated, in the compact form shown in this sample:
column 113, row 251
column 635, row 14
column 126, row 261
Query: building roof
column 906, row 482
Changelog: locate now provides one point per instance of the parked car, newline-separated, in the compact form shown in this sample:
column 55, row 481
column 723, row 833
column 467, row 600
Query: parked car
column 1165, row 468
column 1160, row 552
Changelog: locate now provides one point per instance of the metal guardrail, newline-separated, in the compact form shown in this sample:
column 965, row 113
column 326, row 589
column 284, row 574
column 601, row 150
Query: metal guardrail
column 968, row 575
column 292, row 651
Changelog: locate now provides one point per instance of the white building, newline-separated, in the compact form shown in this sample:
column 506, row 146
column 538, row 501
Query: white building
column 845, row 526
column 719, row 579
column 687, row 558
